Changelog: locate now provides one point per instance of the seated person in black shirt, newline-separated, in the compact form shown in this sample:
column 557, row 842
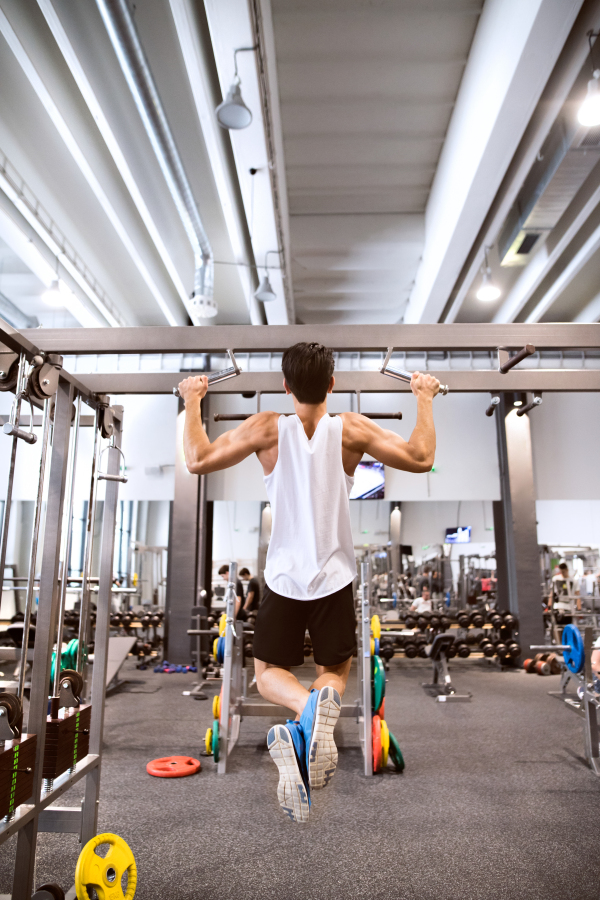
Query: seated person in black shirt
column 239, row 592
column 253, row 593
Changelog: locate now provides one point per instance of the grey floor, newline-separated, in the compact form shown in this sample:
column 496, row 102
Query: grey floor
column 496, row 802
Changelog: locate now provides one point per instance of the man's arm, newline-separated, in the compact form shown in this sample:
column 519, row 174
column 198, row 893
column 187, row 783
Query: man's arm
column 249, row 600
column 362, row 435
column 228, row 449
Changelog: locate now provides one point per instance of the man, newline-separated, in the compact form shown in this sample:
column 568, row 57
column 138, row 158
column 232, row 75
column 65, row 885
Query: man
column 239, row 592
column 252, row 591
column 308, row 461
column 423, row 603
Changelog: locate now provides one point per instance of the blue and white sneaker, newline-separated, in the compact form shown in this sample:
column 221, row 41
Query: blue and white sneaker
column 318, row 721
column 286, row 746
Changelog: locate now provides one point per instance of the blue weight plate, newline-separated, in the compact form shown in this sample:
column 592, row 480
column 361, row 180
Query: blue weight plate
column 575, row 657
column 376, row 646
column 221, row 650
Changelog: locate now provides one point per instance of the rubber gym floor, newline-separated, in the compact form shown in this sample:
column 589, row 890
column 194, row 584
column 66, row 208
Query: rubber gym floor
column 496, row 801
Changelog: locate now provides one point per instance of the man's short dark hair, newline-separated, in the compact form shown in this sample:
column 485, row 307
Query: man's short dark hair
column 307, row 369
column 564, row 567
column 244, row 571
column 224, row 570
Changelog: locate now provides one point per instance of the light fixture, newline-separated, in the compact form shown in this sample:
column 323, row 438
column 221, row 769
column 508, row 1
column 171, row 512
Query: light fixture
column 52, row 295
column 488, row 291
column 264, row 291
column 233, row 113
column 204, row 306
column 589, row 111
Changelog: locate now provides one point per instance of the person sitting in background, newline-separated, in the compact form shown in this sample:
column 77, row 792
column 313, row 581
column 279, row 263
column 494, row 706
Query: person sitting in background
column 423, row 603
column 239, row 593
column 422, row 580
column 252, row 591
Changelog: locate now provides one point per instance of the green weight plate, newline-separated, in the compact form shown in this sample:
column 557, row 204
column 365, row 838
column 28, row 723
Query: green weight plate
column 575, row 657
column 377, row 682
column 215, row 740
column 396, row 754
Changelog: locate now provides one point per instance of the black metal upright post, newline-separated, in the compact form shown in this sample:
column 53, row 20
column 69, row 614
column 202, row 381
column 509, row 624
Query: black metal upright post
column 516, row 527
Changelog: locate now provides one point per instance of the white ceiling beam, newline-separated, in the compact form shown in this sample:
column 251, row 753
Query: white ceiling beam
column 79, row 158
column 514, row 51
column 29, row 245
column 93, row 104
column 566, row 277
column 530, row 279
column 590, row 313
column 231, row 26
column 214, row 139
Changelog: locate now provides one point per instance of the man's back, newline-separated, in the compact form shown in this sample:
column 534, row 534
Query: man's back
column 311, row 552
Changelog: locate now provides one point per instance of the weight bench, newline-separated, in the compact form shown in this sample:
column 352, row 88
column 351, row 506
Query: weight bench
column 441, row 689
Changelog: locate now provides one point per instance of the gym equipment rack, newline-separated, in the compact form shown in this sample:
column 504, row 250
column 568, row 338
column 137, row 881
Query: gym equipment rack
column 48, row 383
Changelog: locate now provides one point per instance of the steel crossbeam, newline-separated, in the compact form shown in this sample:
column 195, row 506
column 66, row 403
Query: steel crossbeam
column 275, row 338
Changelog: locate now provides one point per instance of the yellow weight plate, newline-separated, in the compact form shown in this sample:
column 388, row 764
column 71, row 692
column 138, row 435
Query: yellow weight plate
column 215, row 644
column 385, row 743
column 208, row 741
column 372, row 647
column 216, row 706
column 222, row 624
column 104, row 874
column 376, row 626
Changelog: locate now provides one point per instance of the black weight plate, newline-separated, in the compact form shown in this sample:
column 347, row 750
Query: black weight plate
column 55, row 891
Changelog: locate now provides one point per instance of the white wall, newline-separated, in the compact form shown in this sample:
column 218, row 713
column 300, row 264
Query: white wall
column 466, row 465
column 370, row 521
column 424, row 526
column 566, row 435
column 236, row 526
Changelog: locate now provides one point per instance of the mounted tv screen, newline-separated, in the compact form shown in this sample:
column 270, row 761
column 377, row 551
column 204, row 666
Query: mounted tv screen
column 369, row 481
column 459, row 535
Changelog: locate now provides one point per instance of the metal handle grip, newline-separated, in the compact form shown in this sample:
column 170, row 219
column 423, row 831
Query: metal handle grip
column 28, row 436
column 402, row 374
column 221, row 375
column 104, row 476
column 528, row 350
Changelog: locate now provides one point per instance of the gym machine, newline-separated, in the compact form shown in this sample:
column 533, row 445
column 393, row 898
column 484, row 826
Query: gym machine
column 577, row 662
column 51, row 744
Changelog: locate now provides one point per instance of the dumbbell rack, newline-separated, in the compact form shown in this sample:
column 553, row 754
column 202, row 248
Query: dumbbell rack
column 235, row 704
column 38, row 812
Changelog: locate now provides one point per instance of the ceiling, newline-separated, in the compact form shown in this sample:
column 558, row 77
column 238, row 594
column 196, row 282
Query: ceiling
column 393, row 143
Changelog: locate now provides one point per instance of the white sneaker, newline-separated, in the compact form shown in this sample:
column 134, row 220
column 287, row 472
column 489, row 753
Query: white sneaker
column 292, row 792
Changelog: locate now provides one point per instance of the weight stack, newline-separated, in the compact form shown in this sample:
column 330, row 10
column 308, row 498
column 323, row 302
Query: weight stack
column 67, row 741
column 16, row 784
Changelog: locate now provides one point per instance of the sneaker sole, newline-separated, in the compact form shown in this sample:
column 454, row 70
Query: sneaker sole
column 323, row 755
column 291, row 791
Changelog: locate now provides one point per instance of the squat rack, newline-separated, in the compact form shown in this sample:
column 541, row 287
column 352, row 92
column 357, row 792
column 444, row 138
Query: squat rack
column 39, row 813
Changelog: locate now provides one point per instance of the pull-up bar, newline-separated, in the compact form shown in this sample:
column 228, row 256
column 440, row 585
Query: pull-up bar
column 402, row 374
column 221, row 375
column 241, row 417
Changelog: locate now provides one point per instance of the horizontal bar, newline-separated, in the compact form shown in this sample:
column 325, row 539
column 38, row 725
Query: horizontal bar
column 26, row 812
column 60, row 819
column 267, row 710
column 551, row 648
column 463, row 381
column 275, row 338
column 84, row 422
column 241, row 417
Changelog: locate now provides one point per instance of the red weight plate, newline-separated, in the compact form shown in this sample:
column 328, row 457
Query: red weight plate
column 173, row 766
column 381, row 711
column 376, row 744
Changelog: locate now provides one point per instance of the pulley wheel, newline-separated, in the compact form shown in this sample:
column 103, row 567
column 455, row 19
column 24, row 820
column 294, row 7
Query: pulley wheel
column 10, row 382
column 12, row 705
column 173, row 766
column 104, row 874
column 75, row 680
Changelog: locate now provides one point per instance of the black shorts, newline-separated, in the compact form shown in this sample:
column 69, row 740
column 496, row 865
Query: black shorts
column 281, row 624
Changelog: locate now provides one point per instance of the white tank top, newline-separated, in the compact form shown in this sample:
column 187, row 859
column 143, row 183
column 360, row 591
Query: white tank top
column 311, row 552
